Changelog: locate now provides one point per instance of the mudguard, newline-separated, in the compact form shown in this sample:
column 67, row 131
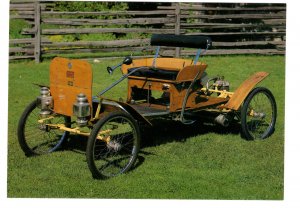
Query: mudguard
column 128, row 109
column 244, row 89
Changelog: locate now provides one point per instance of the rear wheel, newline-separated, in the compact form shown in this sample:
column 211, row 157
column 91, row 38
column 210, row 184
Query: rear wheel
column 113, row 145
column 37, row 138
column 258, row 114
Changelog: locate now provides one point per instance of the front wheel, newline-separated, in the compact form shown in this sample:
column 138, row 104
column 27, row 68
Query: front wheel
column 37, row 138
column 258, row 114
column 113, row 145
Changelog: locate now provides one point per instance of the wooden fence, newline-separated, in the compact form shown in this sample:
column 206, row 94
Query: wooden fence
column 234, row 29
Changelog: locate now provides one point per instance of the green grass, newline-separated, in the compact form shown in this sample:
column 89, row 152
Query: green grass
column 175, row 162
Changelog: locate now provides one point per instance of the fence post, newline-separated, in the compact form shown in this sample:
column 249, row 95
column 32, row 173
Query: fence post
column 177, row 26
column 37, row 35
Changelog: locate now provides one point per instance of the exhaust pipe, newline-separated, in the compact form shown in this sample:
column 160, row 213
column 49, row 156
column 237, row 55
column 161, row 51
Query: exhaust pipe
column 222, row 120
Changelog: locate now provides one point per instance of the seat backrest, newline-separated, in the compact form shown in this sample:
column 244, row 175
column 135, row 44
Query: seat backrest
column 187, row 41
column 68, row 78
column 162, row 63
column 188, row 73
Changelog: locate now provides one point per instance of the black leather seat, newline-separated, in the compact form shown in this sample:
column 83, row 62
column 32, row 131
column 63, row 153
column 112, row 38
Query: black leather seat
column 157, row 73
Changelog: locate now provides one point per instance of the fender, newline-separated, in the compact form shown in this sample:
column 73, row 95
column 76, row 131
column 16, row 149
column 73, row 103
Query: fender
column 244, row 89
column 128, row 109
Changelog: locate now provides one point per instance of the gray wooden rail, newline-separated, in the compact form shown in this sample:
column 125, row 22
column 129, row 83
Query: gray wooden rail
column 234, row 28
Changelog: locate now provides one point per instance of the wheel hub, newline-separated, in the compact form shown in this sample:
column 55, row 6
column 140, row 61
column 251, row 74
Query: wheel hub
column 114, row 145
column 44, row 127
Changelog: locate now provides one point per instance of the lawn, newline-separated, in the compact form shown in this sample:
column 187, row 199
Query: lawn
column 175, row 162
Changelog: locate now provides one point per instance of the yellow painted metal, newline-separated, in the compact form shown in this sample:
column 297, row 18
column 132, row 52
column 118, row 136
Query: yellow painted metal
column 251, row 113
column 44, row 119
column 222, row 94
column 77, row 131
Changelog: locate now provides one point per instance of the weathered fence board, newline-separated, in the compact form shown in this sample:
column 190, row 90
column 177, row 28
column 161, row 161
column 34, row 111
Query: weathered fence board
column 21, row 57
column 227, row 52
column 236, row 16
column 227, row 25
column 21, row 50
column 112, row 13
column 131, row 21
column 115, row 43
column 236, row 33
column 98, row 50
column 204, row 8
column 99, row 30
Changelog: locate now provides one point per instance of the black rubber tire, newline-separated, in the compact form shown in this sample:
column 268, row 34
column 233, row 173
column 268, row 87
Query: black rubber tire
column 110, row 160
column 249, row 128
column 46, row 137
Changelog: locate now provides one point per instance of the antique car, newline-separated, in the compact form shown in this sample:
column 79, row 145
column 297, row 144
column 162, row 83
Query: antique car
column 170, row 88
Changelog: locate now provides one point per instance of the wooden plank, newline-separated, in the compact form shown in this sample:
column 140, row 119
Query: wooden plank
column 111, row 13
column 244, row 51
column 247, row 43
column 131, row 21
column 202, row 25
column 13, row 5
column 99, row 30
column 21, row 41
column 244, row 89
column 195, row 7
column 19, row 9
column 95, row 50
column 274, row 21
column 65, row 88
column 235, row 16
column 237, row 33
column 21, row 50
column 21, row 57
column 177, row 27
column 21, row 16
column 226, row 52
column 37, row 33
column 115, row 43
column 26, row 12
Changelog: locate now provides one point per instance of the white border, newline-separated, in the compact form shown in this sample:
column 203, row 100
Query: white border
column 290, row 204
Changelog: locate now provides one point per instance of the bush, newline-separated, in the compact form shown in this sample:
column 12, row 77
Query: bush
column 89, row 6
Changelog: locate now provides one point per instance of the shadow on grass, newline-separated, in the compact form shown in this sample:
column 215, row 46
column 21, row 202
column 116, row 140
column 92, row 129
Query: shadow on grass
column 76, row 143
column 165, row 131
column 162, row 132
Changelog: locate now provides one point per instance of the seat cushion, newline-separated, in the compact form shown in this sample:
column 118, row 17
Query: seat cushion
column 157, row 73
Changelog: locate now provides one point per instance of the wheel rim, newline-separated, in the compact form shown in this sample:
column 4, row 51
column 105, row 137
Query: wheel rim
column 116, row 147
column 260, row 115
column 41, row 138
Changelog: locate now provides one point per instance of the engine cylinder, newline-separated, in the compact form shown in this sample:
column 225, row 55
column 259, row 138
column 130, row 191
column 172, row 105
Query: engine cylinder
column 222, row 84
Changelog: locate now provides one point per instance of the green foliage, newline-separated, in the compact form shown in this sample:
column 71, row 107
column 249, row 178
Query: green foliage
column 98, row 37
column 15, row 28
column 89, row 6
column 85, row 6
column 176, row 161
